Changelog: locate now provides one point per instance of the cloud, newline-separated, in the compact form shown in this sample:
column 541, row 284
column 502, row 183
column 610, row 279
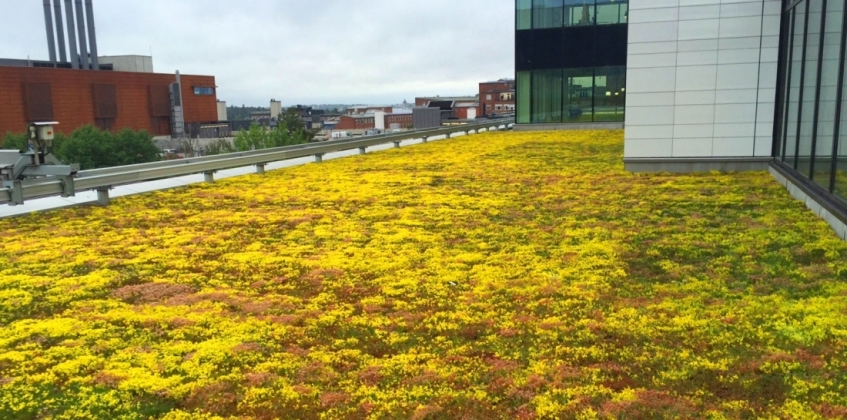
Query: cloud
column 322, row 51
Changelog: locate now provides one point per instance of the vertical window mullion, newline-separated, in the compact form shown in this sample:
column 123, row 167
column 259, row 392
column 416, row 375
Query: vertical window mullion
column 787, row 84
column 838, row 98
column 594, row 88
column 802, row 87
column 813, row 155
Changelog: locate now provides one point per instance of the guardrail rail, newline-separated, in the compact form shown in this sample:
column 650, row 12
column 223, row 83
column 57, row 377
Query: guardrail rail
column 102, row 180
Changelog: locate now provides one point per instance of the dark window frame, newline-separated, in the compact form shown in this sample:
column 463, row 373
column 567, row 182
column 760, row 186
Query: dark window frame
column 824, row 191
column 203, row 90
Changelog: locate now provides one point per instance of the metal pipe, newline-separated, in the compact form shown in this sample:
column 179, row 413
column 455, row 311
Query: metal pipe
column 51, row 38
column 60, row 30
column 92, row 35
column 84, row 61
column 69, row 15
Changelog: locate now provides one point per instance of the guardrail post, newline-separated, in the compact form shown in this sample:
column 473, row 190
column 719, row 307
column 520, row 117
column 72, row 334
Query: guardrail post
column 68, row 189
column 17, row 193
column 397, row 144
column 209, row 177
column 448, row 135
column 319, row 158
column 103, row 196
column 260, row 168
column 425, row 139
column 363, row 150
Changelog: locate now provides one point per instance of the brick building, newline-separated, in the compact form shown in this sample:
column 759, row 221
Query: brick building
column 368, row 121
column 108, row 99
column 369, row 109
column 355, row 122
column 497, row 97
column 402, row 120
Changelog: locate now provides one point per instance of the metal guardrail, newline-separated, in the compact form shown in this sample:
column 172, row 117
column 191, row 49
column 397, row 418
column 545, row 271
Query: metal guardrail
column 104, row 179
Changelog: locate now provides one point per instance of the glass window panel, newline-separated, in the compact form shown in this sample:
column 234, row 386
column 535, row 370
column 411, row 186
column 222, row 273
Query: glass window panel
column 792, row 119
column 547, row 96
column 610, row 12
column 524, row 93
column 524, row 14
column 784, row 90
column 829, row 91
column 579, row 12
column 579, row 95
column 840, row 187
column 609, row 93
column 810, row 83
column 547, row 13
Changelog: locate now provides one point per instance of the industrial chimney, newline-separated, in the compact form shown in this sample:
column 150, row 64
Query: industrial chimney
column 80, row 33
column 48, row 22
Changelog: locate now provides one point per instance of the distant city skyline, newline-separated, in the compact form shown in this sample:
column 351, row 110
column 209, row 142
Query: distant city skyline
column 332, row 51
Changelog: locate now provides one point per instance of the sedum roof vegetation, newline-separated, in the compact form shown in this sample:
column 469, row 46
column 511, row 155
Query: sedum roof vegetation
column 501, row 275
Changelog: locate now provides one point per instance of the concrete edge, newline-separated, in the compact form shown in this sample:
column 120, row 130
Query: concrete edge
column 838, row 224
column 567, row 127
column 691, row 165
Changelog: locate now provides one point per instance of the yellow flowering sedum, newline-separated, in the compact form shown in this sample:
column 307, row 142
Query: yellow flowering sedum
column 502, row 275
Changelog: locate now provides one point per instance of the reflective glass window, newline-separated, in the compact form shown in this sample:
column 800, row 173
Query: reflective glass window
column 579, row 95
column 796, row 68
column 612, row 11
column 524, row 14
column 829, row 91
column 609, row 94
column 579, row 12
column 547, row 13
column 547, row 96
column 810, row 83
column 524, row 90
column 784, row 90
column 840, row 187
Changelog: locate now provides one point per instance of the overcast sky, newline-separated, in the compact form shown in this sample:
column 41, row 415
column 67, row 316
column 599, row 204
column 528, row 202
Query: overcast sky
column 299, row 52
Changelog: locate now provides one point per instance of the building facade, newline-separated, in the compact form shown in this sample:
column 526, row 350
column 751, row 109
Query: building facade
column 726, row 85
column 702, row 81
column 107, row 99
column 810, row 136
column 370, row 121
column 570, row 61
column 497, row 97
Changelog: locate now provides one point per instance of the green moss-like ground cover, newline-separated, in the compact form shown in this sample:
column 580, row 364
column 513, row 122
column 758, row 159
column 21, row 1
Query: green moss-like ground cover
column 502, row 275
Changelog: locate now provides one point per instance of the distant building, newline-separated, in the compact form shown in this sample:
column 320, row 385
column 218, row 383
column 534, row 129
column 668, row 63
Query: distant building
column 74, row 87
column 222, row 113
column 128, row 63
column 400, row 118
column 369, row 109
column 106, row 99
column 452, row 107
column 497, row 97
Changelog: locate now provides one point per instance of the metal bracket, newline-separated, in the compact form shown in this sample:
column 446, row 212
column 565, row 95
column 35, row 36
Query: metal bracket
column 68, row 189
column 17, row 193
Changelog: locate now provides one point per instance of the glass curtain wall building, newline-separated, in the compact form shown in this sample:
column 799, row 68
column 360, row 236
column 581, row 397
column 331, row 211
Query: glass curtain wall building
column 810, row 138
column 570, row 60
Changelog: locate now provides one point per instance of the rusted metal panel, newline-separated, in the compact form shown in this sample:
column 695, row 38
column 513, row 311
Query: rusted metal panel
column 105, row 101
column 39, row 101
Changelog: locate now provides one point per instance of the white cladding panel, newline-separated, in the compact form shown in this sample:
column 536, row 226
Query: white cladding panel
column 701, row 78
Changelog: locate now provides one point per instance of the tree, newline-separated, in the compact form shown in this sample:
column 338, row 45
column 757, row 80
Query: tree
column 293, row 124
column 289, row 131
column 219, row 146
column 93, row 148
column 252, row 139
column 14, row 141
column 135, row 147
